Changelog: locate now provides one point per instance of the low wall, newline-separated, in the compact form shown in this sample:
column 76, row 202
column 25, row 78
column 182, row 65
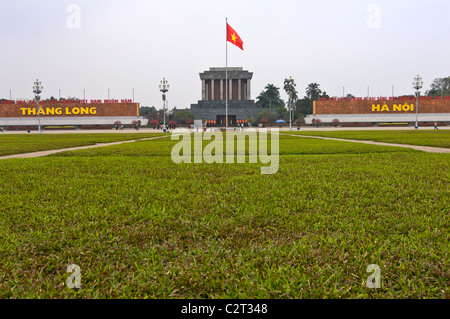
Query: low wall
column 388, row 106
column 54, row 110
column 71, row 121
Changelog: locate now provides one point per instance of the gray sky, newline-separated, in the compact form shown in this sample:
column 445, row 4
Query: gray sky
column 122, row 45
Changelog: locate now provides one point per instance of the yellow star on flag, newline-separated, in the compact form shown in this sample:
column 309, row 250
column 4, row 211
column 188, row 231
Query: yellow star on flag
column 234, row 37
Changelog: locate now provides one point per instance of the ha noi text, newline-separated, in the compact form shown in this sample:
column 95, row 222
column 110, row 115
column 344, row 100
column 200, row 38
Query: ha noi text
column 406, row 107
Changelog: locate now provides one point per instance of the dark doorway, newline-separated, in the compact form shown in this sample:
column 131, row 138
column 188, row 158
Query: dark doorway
column 222, row 119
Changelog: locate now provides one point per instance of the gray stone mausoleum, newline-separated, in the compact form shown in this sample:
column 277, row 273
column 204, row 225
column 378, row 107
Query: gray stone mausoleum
column 212, row 107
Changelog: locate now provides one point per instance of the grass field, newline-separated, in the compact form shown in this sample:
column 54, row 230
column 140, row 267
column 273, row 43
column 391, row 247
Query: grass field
column 21, row 143
column 140, row 226
column 290, row 145
column 440, row 138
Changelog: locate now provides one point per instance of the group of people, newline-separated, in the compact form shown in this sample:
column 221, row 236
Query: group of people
column 120, row 127
column 167, row 127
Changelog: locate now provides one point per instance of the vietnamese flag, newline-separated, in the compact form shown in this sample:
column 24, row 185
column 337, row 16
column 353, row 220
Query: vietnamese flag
column 234, row 38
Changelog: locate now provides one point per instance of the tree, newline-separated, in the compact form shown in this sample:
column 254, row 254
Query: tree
column 182, row 115
column 269, row 115
column 172, row 124
column 324, row 95
column 313, row 91
column 62, row 100
column 300, row 120
column 289, row 87
column 270, row 97
column 154, row 123
column 146, row 110
column 160, row 116
column 440, row 87
column 52, row 98
column 283, row 112
column 272, row 92
column 152, row 116
column 304, row 106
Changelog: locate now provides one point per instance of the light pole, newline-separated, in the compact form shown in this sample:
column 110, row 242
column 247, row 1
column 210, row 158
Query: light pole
column 37, row 89
column 417, row 85
column 164, row 88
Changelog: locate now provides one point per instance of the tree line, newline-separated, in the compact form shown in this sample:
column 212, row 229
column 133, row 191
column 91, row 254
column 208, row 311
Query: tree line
column 275, row 108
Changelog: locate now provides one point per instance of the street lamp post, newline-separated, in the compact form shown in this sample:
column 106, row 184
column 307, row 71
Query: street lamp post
column 37, row 89
column 417, row 85
column 164, row 88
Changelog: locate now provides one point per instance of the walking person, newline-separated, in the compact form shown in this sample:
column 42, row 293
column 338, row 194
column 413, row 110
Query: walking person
column 436, row 126
column 1, row 129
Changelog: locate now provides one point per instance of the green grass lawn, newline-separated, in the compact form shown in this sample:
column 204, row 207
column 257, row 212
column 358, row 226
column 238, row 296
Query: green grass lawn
column 440, row 138
column 140, row 226
column 289, row 145
column 22, row 143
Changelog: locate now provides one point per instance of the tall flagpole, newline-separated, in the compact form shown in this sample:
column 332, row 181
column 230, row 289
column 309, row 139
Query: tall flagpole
column 226, row 72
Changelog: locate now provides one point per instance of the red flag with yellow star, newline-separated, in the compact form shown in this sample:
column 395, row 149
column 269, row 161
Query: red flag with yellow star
column 234, row 38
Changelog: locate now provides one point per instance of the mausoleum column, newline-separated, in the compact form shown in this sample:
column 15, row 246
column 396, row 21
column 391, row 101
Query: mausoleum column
column 249, row 95
column 221, row 89
column 203, row 90
column 239, row 90
column 230, row 85
column 212, row 90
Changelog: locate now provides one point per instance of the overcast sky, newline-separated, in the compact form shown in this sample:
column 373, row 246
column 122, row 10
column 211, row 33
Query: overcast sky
column 121, row 45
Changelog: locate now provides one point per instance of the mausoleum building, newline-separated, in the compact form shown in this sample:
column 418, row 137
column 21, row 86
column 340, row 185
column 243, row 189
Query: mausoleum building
column 215, row 91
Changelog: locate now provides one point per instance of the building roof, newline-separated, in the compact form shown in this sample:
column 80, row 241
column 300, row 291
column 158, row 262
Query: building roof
column 233, row 73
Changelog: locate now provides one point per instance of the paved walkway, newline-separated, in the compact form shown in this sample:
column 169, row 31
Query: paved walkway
column 427, row 149
column 49, row 152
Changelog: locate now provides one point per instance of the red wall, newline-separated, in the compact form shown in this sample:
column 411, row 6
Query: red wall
column 367, row 107
column 68, row 110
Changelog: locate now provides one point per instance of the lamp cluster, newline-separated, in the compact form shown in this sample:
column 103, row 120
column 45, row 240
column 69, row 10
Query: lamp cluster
column 37, row 87
column 418, row 83
column 164, row 88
